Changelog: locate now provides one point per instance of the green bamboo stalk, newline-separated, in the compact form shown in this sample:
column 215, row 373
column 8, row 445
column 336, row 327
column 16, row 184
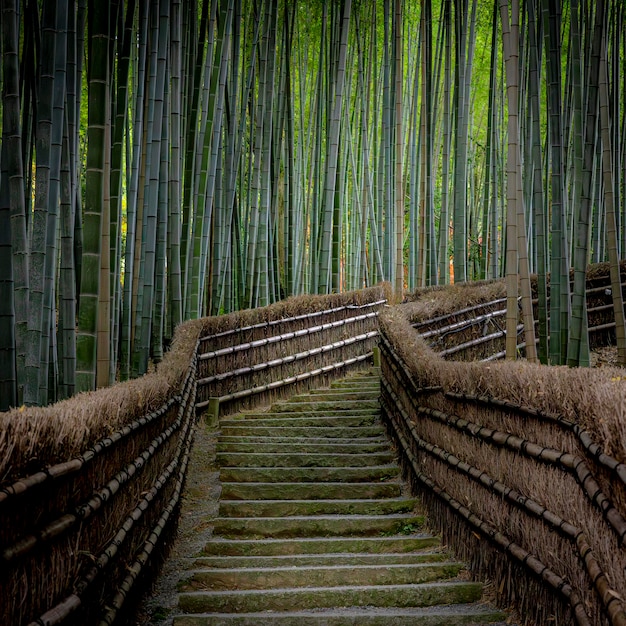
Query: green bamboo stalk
column 48, row 367
column 399, row 185
column 578, row 346
column 489, row 245
column 538, row 203
column 159, row 30
column 39, row 288
column 200, row 211
column 386, row 187
column 15, row 301
column 609, row 194
column 94, row 198
column 194, row 81
column 216, row 114
column 332, row 140
column 160, row 288
column 463, row 67
column 444, row 219
column 559, row 274
column 120, row 125
column 174, row 226
column 512, row 288
column 264, row 250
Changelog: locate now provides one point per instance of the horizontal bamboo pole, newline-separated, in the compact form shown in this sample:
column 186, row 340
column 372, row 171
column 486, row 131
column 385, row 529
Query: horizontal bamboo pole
column 469, row 309
column 568, row 462
column 287, row 320
column 76, row 464
column 291, row 335
column 245, row 393
column 594, row 449
column 477, row 341
column 287, row 359
column 475, row 307
column 462, row 325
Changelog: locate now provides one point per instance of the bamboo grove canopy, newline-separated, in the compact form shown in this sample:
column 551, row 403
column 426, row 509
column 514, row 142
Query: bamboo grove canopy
column 167, row 159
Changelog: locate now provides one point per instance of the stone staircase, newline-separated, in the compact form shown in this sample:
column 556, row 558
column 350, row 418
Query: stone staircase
column 315, row 526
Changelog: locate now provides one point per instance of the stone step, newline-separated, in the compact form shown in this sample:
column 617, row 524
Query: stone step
column 379, row 439
column 311, row 491
column 318, row 576
column 332, row 395
column 347, row 432
column 260, row 446
column 355, row 411
column 302, row 459
column 333, row 407
column 284, row 508
column 308, row 474
column 456, row 615
column 317, row 526
column 372, row 377
column 426, row 594
column 299, row 420
column 398, row 544
column 350, row 386
column 342, row 558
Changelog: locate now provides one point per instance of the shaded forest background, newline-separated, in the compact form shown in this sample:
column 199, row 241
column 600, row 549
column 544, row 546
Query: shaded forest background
column 167, row 159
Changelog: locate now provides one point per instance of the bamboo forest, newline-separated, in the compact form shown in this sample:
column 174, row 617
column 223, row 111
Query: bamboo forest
column 164, row 160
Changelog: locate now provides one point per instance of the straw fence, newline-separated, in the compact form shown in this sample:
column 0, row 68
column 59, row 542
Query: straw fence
column 522, row 467
column 466, row 322
column 90, row 487
column 281, row 353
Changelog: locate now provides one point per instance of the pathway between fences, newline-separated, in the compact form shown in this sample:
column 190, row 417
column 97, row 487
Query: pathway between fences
column 316, row 526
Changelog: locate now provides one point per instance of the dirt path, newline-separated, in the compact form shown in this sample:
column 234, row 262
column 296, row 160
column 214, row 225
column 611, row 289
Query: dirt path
column 198, row 508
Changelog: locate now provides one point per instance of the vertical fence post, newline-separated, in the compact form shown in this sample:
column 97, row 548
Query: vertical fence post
column 376, row 356
column 213, row 413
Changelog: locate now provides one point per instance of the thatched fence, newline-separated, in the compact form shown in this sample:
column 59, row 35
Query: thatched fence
column 89, row 487
column 522, row 467
column 466, row 322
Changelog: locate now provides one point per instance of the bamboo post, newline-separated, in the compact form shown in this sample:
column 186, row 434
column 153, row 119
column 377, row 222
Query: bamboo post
column 213, row 413
column 376, row 356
